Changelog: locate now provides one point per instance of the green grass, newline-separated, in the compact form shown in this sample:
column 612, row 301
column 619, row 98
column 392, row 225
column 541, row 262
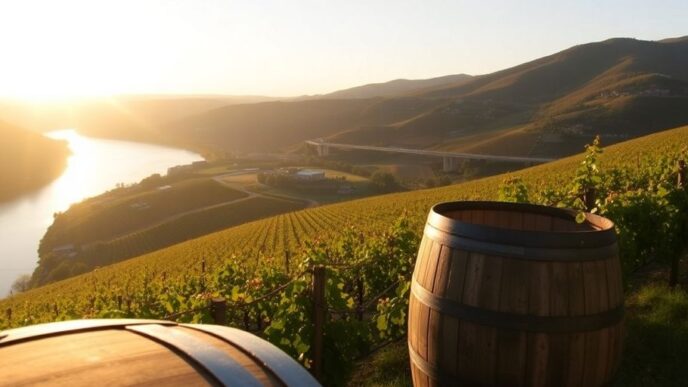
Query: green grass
column 387, row 367
column 655, row 346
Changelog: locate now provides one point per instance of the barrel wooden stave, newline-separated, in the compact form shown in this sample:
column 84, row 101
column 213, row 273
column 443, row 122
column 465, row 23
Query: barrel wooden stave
column 128, row 352
column 468, row 352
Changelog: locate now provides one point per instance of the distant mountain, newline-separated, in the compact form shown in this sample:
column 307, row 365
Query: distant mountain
column 619, row 88
column 28, row 160
column 129, row 117
column 549, row 107
column 397, row 87
column 675, row 40
column 270, row 126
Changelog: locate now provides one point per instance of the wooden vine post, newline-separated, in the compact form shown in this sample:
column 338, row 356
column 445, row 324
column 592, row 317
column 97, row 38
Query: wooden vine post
column 203, row 274
column 287, row 255
column 318, row 298
column 361, row 293
column 676, row 260
column 218, row 309
column 9, row 314
column 589, row 197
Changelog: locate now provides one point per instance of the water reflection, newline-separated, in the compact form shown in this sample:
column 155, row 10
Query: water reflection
column 95, row 165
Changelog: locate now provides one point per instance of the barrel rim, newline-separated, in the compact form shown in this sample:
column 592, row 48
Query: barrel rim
column 212, row 363
column 603, row 236
column 57, row 328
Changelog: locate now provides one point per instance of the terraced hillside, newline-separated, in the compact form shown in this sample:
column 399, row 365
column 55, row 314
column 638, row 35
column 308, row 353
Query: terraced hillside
column 119, row 225
column 264, row 242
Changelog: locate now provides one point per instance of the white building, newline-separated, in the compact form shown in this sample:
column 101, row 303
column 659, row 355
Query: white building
column 310, row 174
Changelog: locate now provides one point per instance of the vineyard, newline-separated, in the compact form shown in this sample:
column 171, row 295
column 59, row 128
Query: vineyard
column 166, row 234
column 109, row 215
column 368, row 247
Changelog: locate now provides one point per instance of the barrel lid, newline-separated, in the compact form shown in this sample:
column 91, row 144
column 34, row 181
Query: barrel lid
column 600, row 230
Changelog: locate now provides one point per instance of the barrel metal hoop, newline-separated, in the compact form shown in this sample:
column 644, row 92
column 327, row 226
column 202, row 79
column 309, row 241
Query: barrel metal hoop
column 217, row 363
column 279, row 363
column 601, row 233
column 432, row 371
column 514, row 321
column 522, row 252
column 40, row 331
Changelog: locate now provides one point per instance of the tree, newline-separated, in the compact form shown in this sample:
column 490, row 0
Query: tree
column 444, row 180
column 384, row 181
column 21, row 284
column 151, row 181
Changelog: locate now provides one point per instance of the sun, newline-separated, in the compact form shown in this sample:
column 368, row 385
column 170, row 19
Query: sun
column 64, row 79
column 60, row 53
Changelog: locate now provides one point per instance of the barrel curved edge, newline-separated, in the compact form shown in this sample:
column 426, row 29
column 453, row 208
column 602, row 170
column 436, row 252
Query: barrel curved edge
column 269, row 355
column 604, row 235
column 31, row 332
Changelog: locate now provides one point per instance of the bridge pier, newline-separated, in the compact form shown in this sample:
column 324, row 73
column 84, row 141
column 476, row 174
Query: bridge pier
column 323, row 150
column 449, row 164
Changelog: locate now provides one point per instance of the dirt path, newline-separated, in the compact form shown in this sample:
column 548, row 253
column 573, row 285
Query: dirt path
column 170, row 218
column 218, row 179
column 239, row 187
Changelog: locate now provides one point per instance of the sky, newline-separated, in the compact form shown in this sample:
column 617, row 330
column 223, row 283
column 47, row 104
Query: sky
column 71, row 48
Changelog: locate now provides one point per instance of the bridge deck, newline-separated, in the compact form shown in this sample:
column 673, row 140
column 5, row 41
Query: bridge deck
column 423, row 152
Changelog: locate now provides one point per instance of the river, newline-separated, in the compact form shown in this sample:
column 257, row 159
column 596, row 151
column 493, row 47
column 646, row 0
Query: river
column 95, row 166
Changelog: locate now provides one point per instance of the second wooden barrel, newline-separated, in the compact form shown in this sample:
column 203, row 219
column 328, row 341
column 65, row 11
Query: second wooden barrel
column 515, row 295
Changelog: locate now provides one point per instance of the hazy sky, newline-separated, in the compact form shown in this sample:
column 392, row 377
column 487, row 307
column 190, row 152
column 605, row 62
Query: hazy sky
column 55, row 48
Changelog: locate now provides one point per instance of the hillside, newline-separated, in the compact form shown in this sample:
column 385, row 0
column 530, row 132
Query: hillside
column 272, row 236
column 155, row 214
column 397, row 87
column 161, row 211
column 127, row 117
column 28, row 160
column 371, row 244
column 549, row 107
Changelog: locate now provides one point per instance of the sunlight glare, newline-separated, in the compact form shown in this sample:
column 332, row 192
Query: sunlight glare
column 81, row 165
column 74, row 49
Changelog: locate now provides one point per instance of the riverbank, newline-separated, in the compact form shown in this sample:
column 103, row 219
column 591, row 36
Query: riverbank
column 94, row 166
column 28, row 161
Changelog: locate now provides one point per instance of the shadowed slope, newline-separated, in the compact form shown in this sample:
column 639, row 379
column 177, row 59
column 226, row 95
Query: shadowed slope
column 27, row 160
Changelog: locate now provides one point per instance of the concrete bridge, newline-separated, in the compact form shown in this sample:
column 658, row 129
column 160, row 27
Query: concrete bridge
column 449, row 159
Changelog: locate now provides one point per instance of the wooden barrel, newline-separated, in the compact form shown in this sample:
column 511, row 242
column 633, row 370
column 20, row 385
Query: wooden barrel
column 515, row 295
column 143, row 352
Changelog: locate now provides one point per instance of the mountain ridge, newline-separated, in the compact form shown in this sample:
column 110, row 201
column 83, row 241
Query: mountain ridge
column 548, row 107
